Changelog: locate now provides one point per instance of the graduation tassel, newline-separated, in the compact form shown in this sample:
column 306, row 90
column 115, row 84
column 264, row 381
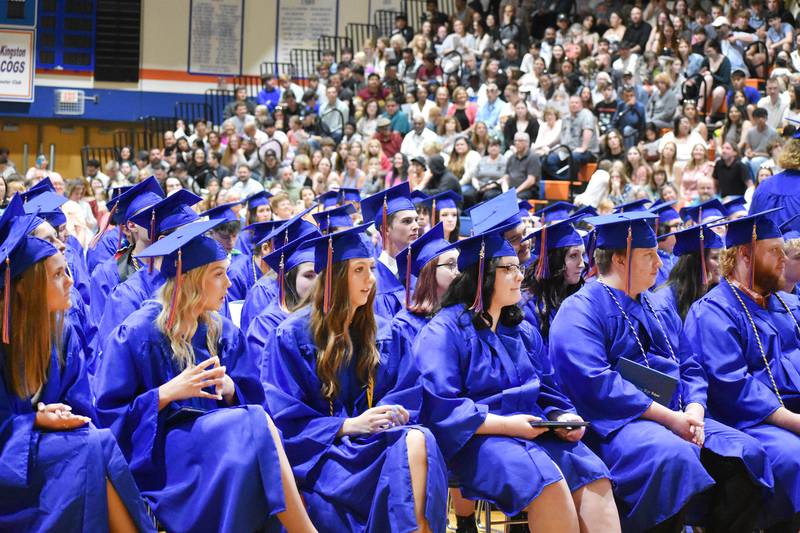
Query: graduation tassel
column 433, row 212
column 704, row 274
column 326, row 296
column 751, row 278
column 477, row 305
column 628, row 260
column 99, row 234
column 592, row 268
column 384, row 222
column 7, row 303
column 408, row 278
column 542, row 268
column 176, row 290
column 151, row 261
column 281, row 280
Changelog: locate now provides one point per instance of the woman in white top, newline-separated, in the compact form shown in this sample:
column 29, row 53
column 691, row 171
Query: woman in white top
column 479, row 40
column 422, row 107
column 684, row 138
column 549, row 132
column 616, row 30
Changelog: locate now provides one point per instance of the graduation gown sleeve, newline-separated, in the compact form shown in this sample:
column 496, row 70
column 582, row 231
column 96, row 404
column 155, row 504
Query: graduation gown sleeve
column 106, row 247
column 258, row 298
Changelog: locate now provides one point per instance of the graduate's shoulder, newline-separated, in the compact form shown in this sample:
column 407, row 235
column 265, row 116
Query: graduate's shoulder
column 589, row 299
column 140, row 325
column 661, row 298
column 296, row 327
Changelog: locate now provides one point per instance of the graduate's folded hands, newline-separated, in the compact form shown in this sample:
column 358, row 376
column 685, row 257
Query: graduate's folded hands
column 58, row 417
column 375, row 419
column 193, row 380
column 685, row 425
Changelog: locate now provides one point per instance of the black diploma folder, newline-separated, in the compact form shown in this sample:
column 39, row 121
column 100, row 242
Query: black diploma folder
column 658, row 385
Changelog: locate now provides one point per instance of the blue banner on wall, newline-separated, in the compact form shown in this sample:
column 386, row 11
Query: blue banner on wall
column 18, row 13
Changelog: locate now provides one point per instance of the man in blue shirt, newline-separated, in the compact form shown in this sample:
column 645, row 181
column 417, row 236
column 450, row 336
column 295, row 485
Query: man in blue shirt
column 269, row 95
column 490, row 112
column 738, row 81
column 629, row 117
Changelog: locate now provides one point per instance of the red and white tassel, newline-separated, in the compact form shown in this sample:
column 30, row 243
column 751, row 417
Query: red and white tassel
column 477, row 305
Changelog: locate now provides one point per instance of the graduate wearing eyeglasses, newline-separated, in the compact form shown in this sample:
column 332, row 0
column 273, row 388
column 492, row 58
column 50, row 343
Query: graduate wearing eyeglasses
column 746, row 333
column 486, row 383
column 347, row 404
column 606, row 344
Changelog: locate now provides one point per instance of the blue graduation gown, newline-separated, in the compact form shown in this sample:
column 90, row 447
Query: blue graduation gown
column 261, row 334
column 781, row 190
column 218, row 472
column 468, row 373
column 77, row 267
column 655, row 472
column 244, row 242
column 243, row 273
column 667, row 262
column 106, row 247
column 390, row 296
column 78, row 317
column 350, row 483
column 56, row 481
column 258, row 298
column 128, row 296
column 740, row 391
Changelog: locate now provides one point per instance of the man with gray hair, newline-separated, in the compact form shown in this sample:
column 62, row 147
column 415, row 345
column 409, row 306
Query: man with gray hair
column 523, row 169
column 579, row 134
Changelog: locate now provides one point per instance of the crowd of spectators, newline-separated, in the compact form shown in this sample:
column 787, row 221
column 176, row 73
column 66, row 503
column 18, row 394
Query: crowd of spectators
column 682, row 100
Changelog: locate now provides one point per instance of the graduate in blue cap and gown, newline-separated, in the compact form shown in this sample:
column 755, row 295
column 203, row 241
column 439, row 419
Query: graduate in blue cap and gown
column 123, row 264
column 653, row 448
column 630, row 207
column 485, row 383
column 444, row 208
column 791, row 245
column 247, row 268
column 159, row 220
column 294, row 264
column 339, row 197
column 705, row 213
column 556, row 273
column 395, row 217
column 748, row 339
column 504, row 212
column 695, row 272
column 58, row 472
column 267, row 289
column 735, row 207
column 782, row 189
column 227, row 233
column 667, row 222
column 108, row 239
column 554, row 212
column 335, row 219
column 180, row 392
column 347, row 404
column 258, row 210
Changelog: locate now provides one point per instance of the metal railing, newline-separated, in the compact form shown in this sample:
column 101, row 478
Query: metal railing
column 335, row 44
column 276, row 68
column 305, row 61
column 217, row 99
column 383, row 19
column 358, row 33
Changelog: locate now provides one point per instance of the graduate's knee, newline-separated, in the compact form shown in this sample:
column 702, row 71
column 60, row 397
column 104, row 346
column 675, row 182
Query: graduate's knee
column 415, row 442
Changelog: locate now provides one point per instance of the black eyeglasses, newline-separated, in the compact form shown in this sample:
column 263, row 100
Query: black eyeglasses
column 513, row 269
column 452, row 266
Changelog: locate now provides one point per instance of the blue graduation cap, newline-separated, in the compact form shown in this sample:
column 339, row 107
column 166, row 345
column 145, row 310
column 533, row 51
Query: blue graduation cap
column 183, row 250
column 289, row 230
column 119, row 189
column 734, row 205
column 479, row 249
column 748, row 230
column 791, row 228
column 379, row 206
column 559, row 234
column 257, row 199
column 500, row 210
column 140, row 196
column 222, row 212
column 335, row 248
column 259, row 230
column 697, row 239
column 18, row 253
column 288, row 257
column 554, row 212
column 47, row 206
column 338, row 217
column 423, row 250
column 636, row 205
column 624, row 231
column 45, row 185
column 418, row 197
column 664, row 211
column 171, row 212
column 338, row 197
column 586, row 211
column 701, row 212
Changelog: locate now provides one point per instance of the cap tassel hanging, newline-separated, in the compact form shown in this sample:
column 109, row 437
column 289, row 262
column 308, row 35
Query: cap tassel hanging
column 592, row 267
column 751, row 277
column 477, row 305
column 628, row 260
column 96, row 238
column 704, row 273
column 433, row 213
column 542, row 267
column 281, row 280
column 151, row 261
column 326, row 296
column 178, row 283
column 7, row 303
column 385, row 222
column 408, row 278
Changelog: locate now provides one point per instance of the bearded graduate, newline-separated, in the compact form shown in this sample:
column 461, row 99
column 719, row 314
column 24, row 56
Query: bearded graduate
column 695, row 271
column 57, row 471
column 182, row 396
column 746, row 333
column 791, row 246
column 486, row 387
column 347, row 404
column 267, row 289
column 604, row 342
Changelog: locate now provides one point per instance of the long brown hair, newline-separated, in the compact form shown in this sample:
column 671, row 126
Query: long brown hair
column 426, row 297
column 185, row 323
column 334, row 337
column 33, row 333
